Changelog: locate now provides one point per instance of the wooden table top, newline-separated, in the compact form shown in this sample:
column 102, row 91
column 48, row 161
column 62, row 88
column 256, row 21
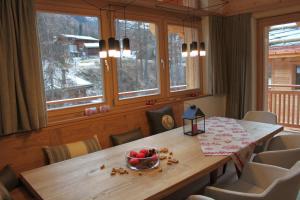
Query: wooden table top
column 81, row 178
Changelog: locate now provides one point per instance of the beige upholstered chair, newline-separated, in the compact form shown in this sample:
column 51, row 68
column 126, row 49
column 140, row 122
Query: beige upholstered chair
column 261, row 116
column 260, row 182
column 264, row 117
column 199, row 197
column 282, row 158
column 283, row 151
column 284, row 142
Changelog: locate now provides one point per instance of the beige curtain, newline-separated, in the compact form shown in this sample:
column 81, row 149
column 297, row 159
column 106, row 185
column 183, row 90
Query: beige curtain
column 22, row 103
column 231, row 61
column 238, row 45
column 218, row 55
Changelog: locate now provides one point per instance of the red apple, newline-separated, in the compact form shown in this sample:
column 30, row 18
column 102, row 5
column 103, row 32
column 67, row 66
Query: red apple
column 144, row 151
column 154, row 157
column 134, row 161
column 133, row 154
column 140, row 155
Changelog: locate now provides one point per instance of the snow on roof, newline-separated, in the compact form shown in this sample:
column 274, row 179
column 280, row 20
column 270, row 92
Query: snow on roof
column 91, row 45
column 79, row 37
column 284, row 35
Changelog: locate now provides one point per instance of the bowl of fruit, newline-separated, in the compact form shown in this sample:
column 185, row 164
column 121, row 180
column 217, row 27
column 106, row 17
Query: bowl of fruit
column 143, row 158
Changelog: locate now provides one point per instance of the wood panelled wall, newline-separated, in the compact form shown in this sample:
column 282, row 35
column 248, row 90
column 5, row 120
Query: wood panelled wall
column 24, row 151
column 244, row 6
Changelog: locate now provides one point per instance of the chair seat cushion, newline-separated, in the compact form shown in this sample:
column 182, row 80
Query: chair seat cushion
column 21, row 193
column 9, row 178
column 161, row 120
column 4, row 194
column 243, row 186
column 66, row 151
column 126, row 137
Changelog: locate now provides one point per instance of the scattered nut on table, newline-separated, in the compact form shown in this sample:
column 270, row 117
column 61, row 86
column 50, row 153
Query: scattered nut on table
column 113, row 173
column 164, row 150
column 175, row 161
column 162, row 157
column 102, row 166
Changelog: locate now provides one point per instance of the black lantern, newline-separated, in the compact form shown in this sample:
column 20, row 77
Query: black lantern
column 193, row 121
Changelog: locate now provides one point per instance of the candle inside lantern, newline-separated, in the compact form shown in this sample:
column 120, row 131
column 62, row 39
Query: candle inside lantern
column 195, row 128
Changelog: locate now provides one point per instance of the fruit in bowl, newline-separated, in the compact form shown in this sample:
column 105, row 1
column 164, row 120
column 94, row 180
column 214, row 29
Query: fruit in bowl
column 139, row 159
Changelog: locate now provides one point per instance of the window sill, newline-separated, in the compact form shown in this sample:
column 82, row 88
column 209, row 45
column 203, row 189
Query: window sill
column 59, row 117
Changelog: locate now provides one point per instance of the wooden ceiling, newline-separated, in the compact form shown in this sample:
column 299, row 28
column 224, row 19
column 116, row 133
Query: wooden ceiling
column 194, row 7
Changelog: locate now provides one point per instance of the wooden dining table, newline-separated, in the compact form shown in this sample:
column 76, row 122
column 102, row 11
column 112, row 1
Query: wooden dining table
column 82, row 178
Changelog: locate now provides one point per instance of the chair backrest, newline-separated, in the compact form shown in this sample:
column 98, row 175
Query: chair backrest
column 287, row 187
column 282, row 158
column 261, row 116
column 283, row 142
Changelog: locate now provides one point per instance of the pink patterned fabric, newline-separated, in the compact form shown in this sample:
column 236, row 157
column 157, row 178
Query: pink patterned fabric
column 224, row 136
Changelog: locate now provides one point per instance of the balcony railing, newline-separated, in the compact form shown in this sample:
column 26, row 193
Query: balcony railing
column 284, row 100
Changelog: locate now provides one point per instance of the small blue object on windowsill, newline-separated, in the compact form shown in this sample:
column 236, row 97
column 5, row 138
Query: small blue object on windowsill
column 193, row 121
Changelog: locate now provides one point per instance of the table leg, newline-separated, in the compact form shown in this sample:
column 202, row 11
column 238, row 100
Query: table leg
column 238, row 172
column 213, row 176
column 224, row 168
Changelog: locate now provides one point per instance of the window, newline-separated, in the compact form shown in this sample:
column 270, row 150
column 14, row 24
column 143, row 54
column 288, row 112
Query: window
column 184, row 72
column 298, row 75
column 69, row 48
column 138, row 73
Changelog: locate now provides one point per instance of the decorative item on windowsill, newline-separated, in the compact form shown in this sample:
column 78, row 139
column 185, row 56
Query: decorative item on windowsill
column 193, row 121
column 151, row 102
column 104, row 108
column 90, row 111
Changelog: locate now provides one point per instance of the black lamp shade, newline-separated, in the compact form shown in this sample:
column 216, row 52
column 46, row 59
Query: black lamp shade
column 202, row 46
column 126, row 44
column 102, row 45
column 111, row 43
column 117, row 45
column 184, row 47
column 193, row 46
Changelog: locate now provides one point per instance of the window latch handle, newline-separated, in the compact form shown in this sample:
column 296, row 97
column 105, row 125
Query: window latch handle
column 106, row 64
column 163, row 63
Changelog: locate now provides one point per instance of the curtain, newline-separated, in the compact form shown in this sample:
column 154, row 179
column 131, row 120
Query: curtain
column 217, row 55
column 238, row 43
column 22, row 100
column 231, row 61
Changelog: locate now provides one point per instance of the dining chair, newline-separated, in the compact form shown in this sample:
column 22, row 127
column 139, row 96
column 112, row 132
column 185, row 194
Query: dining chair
column 199, row 197
column 281, row 158
column 284, row 142
column 259, row 182
column 261, row 116
column 282, row 151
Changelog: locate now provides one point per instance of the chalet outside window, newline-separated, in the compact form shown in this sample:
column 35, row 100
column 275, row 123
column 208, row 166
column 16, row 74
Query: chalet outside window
column 298, row 75
column 72, row 70
column 138, row 73
column 184, row 72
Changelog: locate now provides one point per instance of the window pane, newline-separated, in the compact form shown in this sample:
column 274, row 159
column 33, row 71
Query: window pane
column 138, row 73
column 69, row 48
column 184, row 72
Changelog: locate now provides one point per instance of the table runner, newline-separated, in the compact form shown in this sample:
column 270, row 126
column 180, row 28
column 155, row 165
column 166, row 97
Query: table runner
column 224, row 136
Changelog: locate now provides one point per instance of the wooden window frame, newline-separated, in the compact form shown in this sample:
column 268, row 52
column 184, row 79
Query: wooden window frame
column 161, row 19
column 261, row 24
column 105, row 79
column 187, row 92
column 161, row 71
